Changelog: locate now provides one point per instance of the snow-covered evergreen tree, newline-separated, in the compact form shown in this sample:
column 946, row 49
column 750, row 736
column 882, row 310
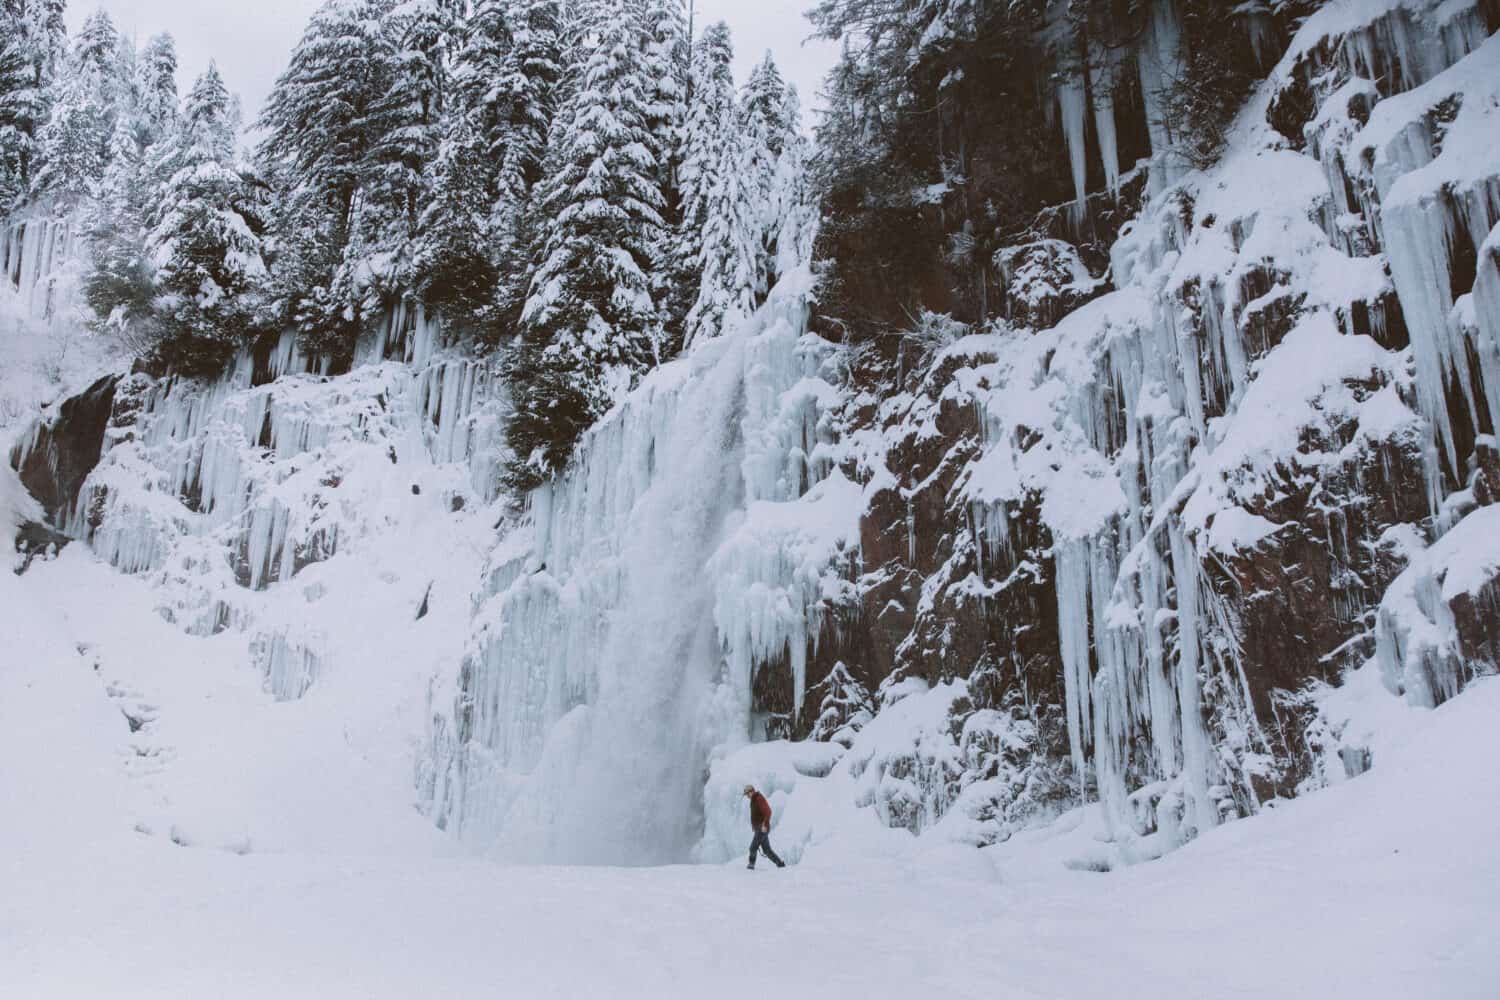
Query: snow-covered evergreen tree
column 319, row 138
column 73, row 147
column 590, row 322
column 33, row 41
column 452, row 266
column 206, row 243
column 844, row 706
column 480, row 77
column 119, row 284
column 732, row 261
column 764, row 101
column 712, row 102
column 709, row 113
column 532, row 80
column 404, row 123
column 793, row 215
column 156, row 71
column 529, row 79
column 666, row 60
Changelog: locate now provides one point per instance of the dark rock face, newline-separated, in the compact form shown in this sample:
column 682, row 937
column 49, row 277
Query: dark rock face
column 1303, row 599
column 54, row 462
column 34, row 540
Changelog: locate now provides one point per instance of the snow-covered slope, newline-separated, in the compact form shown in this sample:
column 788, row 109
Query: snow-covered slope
column 1383, row 887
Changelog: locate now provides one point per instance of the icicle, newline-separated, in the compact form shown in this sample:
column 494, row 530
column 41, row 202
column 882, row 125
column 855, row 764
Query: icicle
column 1103, row 71
column 1071, row 102
column 1159, row 63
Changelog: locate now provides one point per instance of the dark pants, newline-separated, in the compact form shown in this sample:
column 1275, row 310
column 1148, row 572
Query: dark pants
column 762, row 842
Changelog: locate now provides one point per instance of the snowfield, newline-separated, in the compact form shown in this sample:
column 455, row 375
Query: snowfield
column 331, row 885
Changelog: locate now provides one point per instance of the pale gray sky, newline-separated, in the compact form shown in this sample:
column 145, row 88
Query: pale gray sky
column 252, row 40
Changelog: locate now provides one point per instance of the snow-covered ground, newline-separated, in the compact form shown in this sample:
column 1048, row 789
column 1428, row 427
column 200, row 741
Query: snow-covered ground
column 321, row 880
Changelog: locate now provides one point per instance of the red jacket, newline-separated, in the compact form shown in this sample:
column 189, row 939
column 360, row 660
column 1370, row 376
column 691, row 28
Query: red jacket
column 760, row 812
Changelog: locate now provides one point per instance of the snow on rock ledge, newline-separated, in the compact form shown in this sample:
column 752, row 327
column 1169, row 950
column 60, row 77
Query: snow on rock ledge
column 1439, row 624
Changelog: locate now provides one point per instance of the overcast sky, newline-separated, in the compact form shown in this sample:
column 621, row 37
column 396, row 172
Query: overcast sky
column 251, row 39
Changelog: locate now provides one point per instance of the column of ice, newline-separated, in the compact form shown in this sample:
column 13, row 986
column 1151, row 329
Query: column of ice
column 597, row 629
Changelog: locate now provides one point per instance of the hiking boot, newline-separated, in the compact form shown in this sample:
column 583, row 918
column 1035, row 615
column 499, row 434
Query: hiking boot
column 750, row 867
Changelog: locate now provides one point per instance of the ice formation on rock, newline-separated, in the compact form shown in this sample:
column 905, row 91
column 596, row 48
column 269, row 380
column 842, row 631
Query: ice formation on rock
column 618, row 634
column 225, row 491
column 1154, row 423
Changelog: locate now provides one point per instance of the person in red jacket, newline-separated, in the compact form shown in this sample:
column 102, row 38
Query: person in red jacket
column 760, row 822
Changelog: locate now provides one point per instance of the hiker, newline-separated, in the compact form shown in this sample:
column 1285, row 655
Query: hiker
column 760, row 822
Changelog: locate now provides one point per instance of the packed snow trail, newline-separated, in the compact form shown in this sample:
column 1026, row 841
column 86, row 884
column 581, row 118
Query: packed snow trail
column 1383, row 886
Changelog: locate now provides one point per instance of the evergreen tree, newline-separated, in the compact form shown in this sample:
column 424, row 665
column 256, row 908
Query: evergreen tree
column 119, row 283
column 97, row 47
column 764, row 101
column 793, row 216
column 73, row 146
column 406, row 131
column 529, row 79
column 590, row 322
column 733, row 259
column 480, row 76
column 452, row 266
column 713, row 101
column 206, row 244
column 666, row 65
column 532, row 80
column 710, row 111
column 21, row 109
column 319, row 138
column 844, row 706
column 157, row 86
column 33, row 41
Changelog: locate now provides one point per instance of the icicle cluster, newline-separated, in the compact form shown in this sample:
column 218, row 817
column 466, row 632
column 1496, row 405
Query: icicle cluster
column 1245, row 345
column 222, row 491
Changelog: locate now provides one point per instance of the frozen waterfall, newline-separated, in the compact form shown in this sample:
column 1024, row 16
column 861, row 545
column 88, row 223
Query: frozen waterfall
column 618, row 630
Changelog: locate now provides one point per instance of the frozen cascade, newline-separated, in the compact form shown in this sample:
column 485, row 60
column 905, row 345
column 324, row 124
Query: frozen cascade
column 224, row 492
column 38, row 259
column 616, row 640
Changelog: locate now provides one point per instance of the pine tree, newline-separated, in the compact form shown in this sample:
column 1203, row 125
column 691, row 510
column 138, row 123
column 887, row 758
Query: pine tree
column 733, row 259
column 20, row 109
column 33, row 43
column 206, row 244
column 763, row 107
column 710, row 111
column 666, row 65
column 157, row 85
column 119, row 285
column 844, row 706
column 713, row 100
column 96, row 49
column 406, row 131
column 480, row 76
column 590, row 321
column 73, row 146
column 319, row 138
column 764, row 101
column 452, row 266
column 793, row 215
column 529, row 79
